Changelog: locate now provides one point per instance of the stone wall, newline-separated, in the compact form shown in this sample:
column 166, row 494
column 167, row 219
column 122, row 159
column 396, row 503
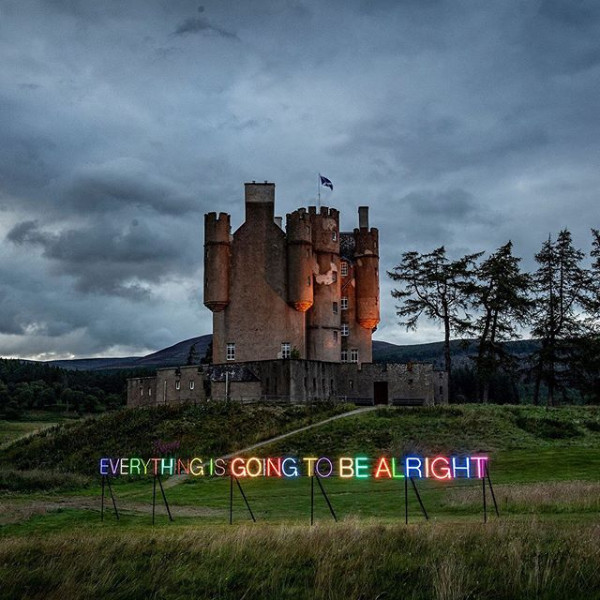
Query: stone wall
column 295, row 381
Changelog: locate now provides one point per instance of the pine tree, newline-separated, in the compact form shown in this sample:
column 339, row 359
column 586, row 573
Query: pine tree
column 563, row 294
column 437, row 288
column 501, row 298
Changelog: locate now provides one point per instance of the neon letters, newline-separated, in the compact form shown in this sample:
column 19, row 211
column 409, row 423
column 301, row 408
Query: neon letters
column 442, row 468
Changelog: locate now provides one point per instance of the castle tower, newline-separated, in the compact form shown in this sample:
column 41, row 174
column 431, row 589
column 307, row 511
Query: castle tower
column 257, row 322
column 323, row 319
column 299, row 260
column 217, row 255
column 366, row 258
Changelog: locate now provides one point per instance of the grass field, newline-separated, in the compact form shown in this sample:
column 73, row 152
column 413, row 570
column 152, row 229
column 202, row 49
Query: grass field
column 545, row 466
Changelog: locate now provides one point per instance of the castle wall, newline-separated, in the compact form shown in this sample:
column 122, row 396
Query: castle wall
column 258, row 318
column 141, row 391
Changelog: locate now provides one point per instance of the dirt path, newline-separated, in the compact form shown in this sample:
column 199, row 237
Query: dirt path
column 177, row 479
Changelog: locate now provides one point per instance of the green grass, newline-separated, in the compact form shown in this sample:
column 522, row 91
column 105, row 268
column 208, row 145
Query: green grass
column 12, row 430
column 354, row 559
column 209, row 429
column 545, row 466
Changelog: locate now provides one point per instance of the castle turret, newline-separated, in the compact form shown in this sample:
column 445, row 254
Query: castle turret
column 323, row 319
column 366, row 257
column 299, row 260
column 217, row 257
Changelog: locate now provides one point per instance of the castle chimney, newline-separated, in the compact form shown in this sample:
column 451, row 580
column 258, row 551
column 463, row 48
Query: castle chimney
column 363, row 217
column 260, row 200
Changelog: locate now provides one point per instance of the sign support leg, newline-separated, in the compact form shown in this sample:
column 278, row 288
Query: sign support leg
column 153, row 499
column 245, row 499
column 165, row 498
column 231, row 499
column 112, row 495
column 419, row 498
column 102, row 503
column 326, row 497
column 484, row 500
column 406, row 500
column 487, row 472
column 312, row 500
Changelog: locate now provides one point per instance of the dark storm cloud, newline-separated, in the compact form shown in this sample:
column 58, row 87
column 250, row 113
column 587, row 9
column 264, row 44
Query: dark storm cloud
column 200, row 25
column 460, row 123
column 105, row 258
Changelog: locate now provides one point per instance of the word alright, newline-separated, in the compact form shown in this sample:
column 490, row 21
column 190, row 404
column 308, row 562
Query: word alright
column 358, row 467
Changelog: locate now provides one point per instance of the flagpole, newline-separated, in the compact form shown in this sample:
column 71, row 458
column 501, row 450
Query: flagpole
column 319, row 192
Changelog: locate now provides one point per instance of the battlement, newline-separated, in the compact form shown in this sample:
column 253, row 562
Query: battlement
column 325, row 211
column 217, row 228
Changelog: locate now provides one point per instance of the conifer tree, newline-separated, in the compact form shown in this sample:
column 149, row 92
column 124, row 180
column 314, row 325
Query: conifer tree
column 436, row 287
column 563, row 296
column 501, row 298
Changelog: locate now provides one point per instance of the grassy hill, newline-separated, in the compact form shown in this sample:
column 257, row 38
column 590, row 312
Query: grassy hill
column 545, row 465
column 208, row 429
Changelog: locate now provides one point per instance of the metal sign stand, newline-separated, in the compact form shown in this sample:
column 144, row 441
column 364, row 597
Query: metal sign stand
column 414, row 485
column 231, row 478
column 164, row 498
column 486, row 475
column 312, row 498
column 106, row 480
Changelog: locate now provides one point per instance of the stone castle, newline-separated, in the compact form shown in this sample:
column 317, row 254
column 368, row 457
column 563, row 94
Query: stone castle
column 293, row 315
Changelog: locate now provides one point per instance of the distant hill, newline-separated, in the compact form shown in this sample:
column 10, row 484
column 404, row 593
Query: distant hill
column 168, row 357
column 382, row 352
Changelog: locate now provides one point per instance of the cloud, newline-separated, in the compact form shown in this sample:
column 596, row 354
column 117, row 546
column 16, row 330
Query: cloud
column 199, row 25
column 459, row 123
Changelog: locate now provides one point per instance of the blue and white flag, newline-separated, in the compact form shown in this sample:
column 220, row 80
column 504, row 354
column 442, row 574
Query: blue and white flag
column 326, row 182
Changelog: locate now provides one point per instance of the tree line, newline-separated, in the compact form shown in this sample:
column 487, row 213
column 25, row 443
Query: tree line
column 36, row 386
column 493, row 301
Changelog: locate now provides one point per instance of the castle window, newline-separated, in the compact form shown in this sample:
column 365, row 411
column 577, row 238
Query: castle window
column 141, row 391
column 344, row 303
column 308, row 281
column 411, row 381
column 441, row 390
column 334, row 236
column 335, row 308
column 335, row 336
column 344, row 355
column 354, row 355
column 191, row 385
column 230, row 352
column 345, row 330
column 178, row 385
column 344, row 268
column 286, row 350
column 351, row 384
column 149, row 391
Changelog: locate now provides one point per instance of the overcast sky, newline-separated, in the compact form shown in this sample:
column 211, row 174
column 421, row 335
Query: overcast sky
column 461, row 123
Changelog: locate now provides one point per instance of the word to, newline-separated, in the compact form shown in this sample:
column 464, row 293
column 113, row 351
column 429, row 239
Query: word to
column 359, row 467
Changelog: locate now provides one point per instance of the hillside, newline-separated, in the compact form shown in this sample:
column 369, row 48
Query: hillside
column 382, row 352
column 214, row 429
column 210, row 429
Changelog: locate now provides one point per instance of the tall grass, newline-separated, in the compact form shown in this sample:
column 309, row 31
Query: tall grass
column 550, row 496
column 348, row 560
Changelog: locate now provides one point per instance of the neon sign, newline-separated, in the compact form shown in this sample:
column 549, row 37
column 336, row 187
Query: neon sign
column 440, row 467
